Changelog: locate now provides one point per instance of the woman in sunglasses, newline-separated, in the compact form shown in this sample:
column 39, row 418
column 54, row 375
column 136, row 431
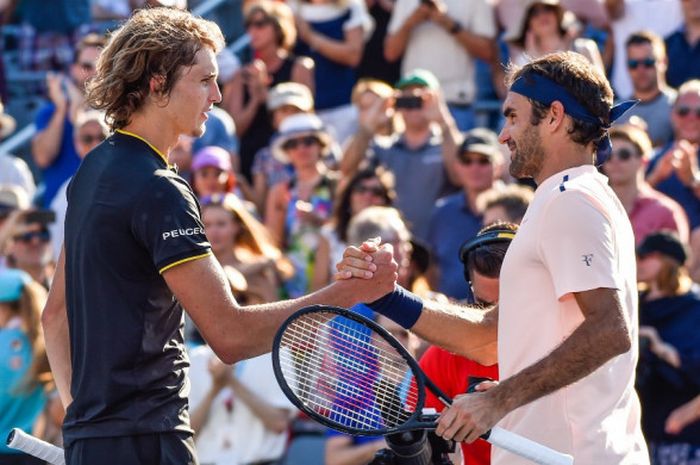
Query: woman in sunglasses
column 367, row 188
column 297, row 209
column 24, row 369
column 649, row 210
column 270, row 25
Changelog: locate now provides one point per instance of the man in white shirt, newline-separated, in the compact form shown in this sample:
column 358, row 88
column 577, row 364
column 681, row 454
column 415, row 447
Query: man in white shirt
column 566, row 323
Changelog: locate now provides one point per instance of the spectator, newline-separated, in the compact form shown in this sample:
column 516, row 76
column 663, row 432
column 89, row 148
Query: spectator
column 296, row 209
column 220, row 131
column 421, row 156
column 683, row 46
column 53, row 149
column 456, row 217
column 212, row 172
column 90, row 131
column 545, row 27
column 29, row 248
column 13, row 170
column 13, row 205
column 504, row 204
column 272, row 33
column 374, row 64
column 668, row 374
column 365, row 94
column 674, row 169
column 631, row 16
column 240, row 241
column 23, row 364
column 239, row 413
column 444, row 37
column 285, row 99
column 333, row 33
column 647, row 64
column 649, row 210
column 683, row 416
column 369, row 187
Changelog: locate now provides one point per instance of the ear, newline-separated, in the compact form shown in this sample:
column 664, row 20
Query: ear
column 156, row 84
column 555, row 119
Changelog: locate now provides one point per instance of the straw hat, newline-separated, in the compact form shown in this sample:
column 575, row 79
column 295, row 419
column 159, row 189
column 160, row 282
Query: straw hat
column 301, row 124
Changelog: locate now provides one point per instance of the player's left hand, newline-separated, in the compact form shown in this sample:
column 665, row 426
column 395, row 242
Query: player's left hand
column 470, row 416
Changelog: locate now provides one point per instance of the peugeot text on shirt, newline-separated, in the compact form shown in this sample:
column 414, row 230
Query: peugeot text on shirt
column 182, row 232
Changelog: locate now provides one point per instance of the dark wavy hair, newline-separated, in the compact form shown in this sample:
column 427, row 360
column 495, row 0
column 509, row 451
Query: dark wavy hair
column 343, row 214
column 583, row 81
column 155, row 42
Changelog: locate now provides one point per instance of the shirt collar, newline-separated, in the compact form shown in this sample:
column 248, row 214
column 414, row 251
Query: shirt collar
column 160, row 154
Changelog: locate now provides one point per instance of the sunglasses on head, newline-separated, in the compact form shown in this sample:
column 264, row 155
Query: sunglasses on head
column 685, row 111
column 374, row 190
column 91, row 138
column 622, row 154
column 306, row 141
column 468, row 161
column 646, row 63
column 43, row 235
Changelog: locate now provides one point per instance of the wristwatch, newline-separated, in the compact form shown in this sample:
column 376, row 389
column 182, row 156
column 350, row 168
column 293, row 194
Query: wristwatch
column 455, row 28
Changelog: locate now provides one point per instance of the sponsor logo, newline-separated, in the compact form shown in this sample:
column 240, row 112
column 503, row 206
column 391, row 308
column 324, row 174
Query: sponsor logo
column 587, row 259
column 182, row 232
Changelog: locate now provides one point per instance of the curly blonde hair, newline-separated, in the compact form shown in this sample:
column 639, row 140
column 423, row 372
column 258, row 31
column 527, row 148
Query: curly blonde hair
column 156, row 42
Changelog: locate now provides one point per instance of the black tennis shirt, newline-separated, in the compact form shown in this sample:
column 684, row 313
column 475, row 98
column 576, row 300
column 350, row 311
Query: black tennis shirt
column 129, row 218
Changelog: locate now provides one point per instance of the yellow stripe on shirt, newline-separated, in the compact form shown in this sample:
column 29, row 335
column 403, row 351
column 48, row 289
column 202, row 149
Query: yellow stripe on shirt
column 184, row 260
column 164, row 157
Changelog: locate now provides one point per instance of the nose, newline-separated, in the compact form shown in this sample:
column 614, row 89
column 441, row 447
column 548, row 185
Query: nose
column 503, row 136
column 215, row 94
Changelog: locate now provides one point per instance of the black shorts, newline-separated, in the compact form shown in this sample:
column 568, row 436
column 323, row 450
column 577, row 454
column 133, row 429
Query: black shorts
column 145, row 449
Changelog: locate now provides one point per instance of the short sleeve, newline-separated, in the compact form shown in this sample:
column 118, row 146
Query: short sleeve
column 359, row 16
column 402, row 10
column 168, row 224
column 577, row 244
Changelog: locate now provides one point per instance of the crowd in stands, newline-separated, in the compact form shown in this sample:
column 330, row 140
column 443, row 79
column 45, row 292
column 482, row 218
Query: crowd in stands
column 347, row 119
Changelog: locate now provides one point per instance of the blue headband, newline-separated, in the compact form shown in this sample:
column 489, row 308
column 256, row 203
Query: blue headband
column 542, row 89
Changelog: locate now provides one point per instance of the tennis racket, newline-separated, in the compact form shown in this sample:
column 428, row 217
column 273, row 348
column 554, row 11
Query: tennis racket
column 18, row 439
column 348, row 373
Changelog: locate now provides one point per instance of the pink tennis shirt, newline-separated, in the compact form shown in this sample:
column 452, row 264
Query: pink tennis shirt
column 574, row 237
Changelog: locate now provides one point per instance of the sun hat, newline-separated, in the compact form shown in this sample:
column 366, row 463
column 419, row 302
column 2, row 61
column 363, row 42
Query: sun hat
column 301, row 124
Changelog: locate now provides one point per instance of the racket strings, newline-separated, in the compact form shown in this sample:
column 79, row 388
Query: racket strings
column 347, row 373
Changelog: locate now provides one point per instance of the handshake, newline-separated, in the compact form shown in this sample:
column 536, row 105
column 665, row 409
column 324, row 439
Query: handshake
column 371, row 273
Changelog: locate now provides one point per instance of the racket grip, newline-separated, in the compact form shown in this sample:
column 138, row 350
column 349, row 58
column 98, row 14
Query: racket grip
column 18, row 439
column 527, row 448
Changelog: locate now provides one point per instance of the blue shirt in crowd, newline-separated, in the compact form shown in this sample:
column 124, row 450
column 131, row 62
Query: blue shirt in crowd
column 683, row 59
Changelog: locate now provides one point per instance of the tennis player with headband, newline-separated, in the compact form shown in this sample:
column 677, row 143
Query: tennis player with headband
column 135, row 254
column 566, row 322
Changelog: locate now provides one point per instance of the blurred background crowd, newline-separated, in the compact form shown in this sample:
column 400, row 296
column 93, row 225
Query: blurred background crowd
column 341, row 120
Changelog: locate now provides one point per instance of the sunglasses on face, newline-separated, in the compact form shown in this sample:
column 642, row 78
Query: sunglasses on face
column 374, row 190
column 622, row 154
column 257, row 23
column 306, row 141
column 468, row 161
column 43, row 235
column 646, row 63
column 91, row 138
column 684, row 111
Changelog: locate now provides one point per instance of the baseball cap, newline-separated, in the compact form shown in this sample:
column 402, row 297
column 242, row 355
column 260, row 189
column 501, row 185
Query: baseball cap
column 13, row 197
column 212, row 155
column 418, row 77
column 290, row 93
column 12, row 282
column 665, row 243
column 482, row 141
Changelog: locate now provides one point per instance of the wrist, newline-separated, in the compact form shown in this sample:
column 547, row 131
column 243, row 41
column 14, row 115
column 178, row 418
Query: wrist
column 455, row 28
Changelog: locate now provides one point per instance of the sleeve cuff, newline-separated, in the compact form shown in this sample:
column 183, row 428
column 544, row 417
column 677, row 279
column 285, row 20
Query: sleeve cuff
column 179, row 261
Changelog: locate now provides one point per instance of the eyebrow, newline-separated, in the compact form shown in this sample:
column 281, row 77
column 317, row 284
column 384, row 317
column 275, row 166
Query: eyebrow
column 508, row 111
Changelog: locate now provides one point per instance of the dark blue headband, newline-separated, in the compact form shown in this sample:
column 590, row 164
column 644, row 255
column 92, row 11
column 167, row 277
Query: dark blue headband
column 542, row 89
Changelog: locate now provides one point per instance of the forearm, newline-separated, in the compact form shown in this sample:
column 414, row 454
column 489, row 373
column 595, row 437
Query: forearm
column 200, row 414
column 450, row 143
column 47, row 143
column 355, row 152
column 348, row 454
column 395, row 44
column 468, row 331
column 591, row 345
column 348, row 53
column 274, row 418
column 477, row 46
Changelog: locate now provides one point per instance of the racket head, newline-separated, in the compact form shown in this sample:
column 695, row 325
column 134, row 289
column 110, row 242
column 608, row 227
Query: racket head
column 347, row 372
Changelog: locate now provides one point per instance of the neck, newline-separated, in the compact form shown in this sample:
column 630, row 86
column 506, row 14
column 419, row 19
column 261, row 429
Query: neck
column 647, row 95
column 550, row 43
column 555, row 162
column 162, row 138
column 271, row 55
column 417, row 135
column 627, row 193
column 307, row 174
column 470, row 196
column 692, row 31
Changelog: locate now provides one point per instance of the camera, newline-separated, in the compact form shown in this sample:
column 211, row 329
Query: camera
column 409, row 101
column 417, row 447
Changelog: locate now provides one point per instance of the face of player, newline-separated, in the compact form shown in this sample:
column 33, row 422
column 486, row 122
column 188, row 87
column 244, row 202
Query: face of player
column 521, row 137
column 193, row 95
column 485, row 289
column 220, row 227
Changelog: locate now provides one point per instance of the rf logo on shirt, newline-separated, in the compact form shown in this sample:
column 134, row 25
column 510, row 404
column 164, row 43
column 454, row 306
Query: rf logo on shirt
column 587, row 259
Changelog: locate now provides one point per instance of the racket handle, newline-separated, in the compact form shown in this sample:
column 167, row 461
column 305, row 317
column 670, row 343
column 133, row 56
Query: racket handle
column 527, row 448
column 18, row 439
